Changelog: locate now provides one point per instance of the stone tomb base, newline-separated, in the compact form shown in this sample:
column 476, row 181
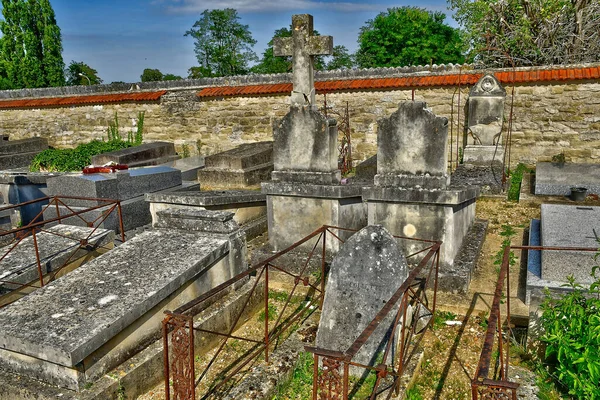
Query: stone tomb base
column 295, row 210
column 81, row 326
column 483, row 155
column 445, row 215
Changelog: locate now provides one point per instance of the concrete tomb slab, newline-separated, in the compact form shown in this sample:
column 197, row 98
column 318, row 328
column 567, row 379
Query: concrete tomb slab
column 244, row 166
column 364, row 275
column 486, row 113
column 557, row 179
column 87, row 322
column 56, row 245
column 19, row 153
column 154, row 153
column 188, row 166
column 411, row 195
column 568, row 226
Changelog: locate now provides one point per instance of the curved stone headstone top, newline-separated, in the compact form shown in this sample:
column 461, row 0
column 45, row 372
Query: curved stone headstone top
column 411, row 148
column 364, row 275
column 488, row 85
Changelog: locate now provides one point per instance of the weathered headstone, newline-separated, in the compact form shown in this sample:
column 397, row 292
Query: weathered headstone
column 486, row 113
column 364, row 275
column 303, row 46
column 189, row 166
column 154, row 153
column 305, row 191
column 245, row 166
column 19, row 153
column 411, row 195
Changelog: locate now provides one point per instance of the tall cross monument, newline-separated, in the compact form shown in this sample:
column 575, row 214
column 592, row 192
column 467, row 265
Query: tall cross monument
column 303, row 46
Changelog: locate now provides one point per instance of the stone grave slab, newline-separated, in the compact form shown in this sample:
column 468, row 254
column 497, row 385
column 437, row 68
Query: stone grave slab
column 244, row 166
column 56, row 245
column 19, row 153
column 364, row 275
column 154, row 153
column 188, row 166
column 568, row 226
column 557, row 179
column 247, row 205
column 92, row 319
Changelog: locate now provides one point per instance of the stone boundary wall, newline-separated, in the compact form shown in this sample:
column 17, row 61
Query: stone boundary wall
column 550, row 117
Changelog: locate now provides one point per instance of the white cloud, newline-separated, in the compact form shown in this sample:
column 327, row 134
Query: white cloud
column 195, row 6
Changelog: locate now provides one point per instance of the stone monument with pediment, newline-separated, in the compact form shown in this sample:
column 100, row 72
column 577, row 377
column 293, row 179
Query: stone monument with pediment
column 486, row 113
column 305, row 191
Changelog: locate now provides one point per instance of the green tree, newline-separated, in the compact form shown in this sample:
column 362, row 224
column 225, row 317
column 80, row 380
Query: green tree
column 223, row 46
column 151, row 75
column 408, row 36
column 31, row 45
column 199, row 72
column 341, row 58
column 172, row 77
column 530, row 32
column 78, row 73
column 269, row 64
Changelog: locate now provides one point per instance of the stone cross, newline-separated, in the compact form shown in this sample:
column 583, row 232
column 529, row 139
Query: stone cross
column 303, row 46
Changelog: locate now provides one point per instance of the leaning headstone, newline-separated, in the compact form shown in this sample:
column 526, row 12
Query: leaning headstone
column 139, row 156
column 412, row 195
column 305, row 191
column 242, row 167
column 366, row 272
column 19, row 153
column 486, row 113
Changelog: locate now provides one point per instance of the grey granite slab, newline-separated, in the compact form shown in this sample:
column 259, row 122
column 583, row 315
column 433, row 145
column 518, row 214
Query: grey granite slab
column 569, row 226
column 188, row 166
column 20, row 265
column 558, row 178
column 66, row 321
column 30, row 145
column 242, row 157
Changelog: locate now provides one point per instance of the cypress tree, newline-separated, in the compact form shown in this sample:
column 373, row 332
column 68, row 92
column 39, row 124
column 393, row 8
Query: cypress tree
column 31, row 47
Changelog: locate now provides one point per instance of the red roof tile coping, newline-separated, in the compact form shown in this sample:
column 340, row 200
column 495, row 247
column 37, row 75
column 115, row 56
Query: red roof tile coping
column 410, row 82
column 80, row 100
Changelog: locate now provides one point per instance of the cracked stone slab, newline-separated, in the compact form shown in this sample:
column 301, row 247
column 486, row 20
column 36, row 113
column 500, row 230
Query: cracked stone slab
column 66, row 321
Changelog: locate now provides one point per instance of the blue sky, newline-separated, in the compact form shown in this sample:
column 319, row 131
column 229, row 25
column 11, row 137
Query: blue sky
column 119, row 38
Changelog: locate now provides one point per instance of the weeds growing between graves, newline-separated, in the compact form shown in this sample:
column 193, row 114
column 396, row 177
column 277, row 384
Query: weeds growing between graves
column 516, row 177
column 65, row 160
column 571, row 325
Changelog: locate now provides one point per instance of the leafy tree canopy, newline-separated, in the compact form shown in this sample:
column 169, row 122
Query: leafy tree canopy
column 530, row 32
column 172, row 77
column 78, row 73
column 341, row 58
column 269, row 64
column 223, row 46
column 151, row 75
column 30, row 46
column 408, row 36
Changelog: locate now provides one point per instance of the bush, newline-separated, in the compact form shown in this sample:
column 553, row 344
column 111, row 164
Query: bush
column 64, row 160
column 571, row 325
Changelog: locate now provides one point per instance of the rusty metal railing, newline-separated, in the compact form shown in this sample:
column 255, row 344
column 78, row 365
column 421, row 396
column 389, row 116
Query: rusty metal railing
column 488, row 384
column 38, row 225
column 179, row 331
